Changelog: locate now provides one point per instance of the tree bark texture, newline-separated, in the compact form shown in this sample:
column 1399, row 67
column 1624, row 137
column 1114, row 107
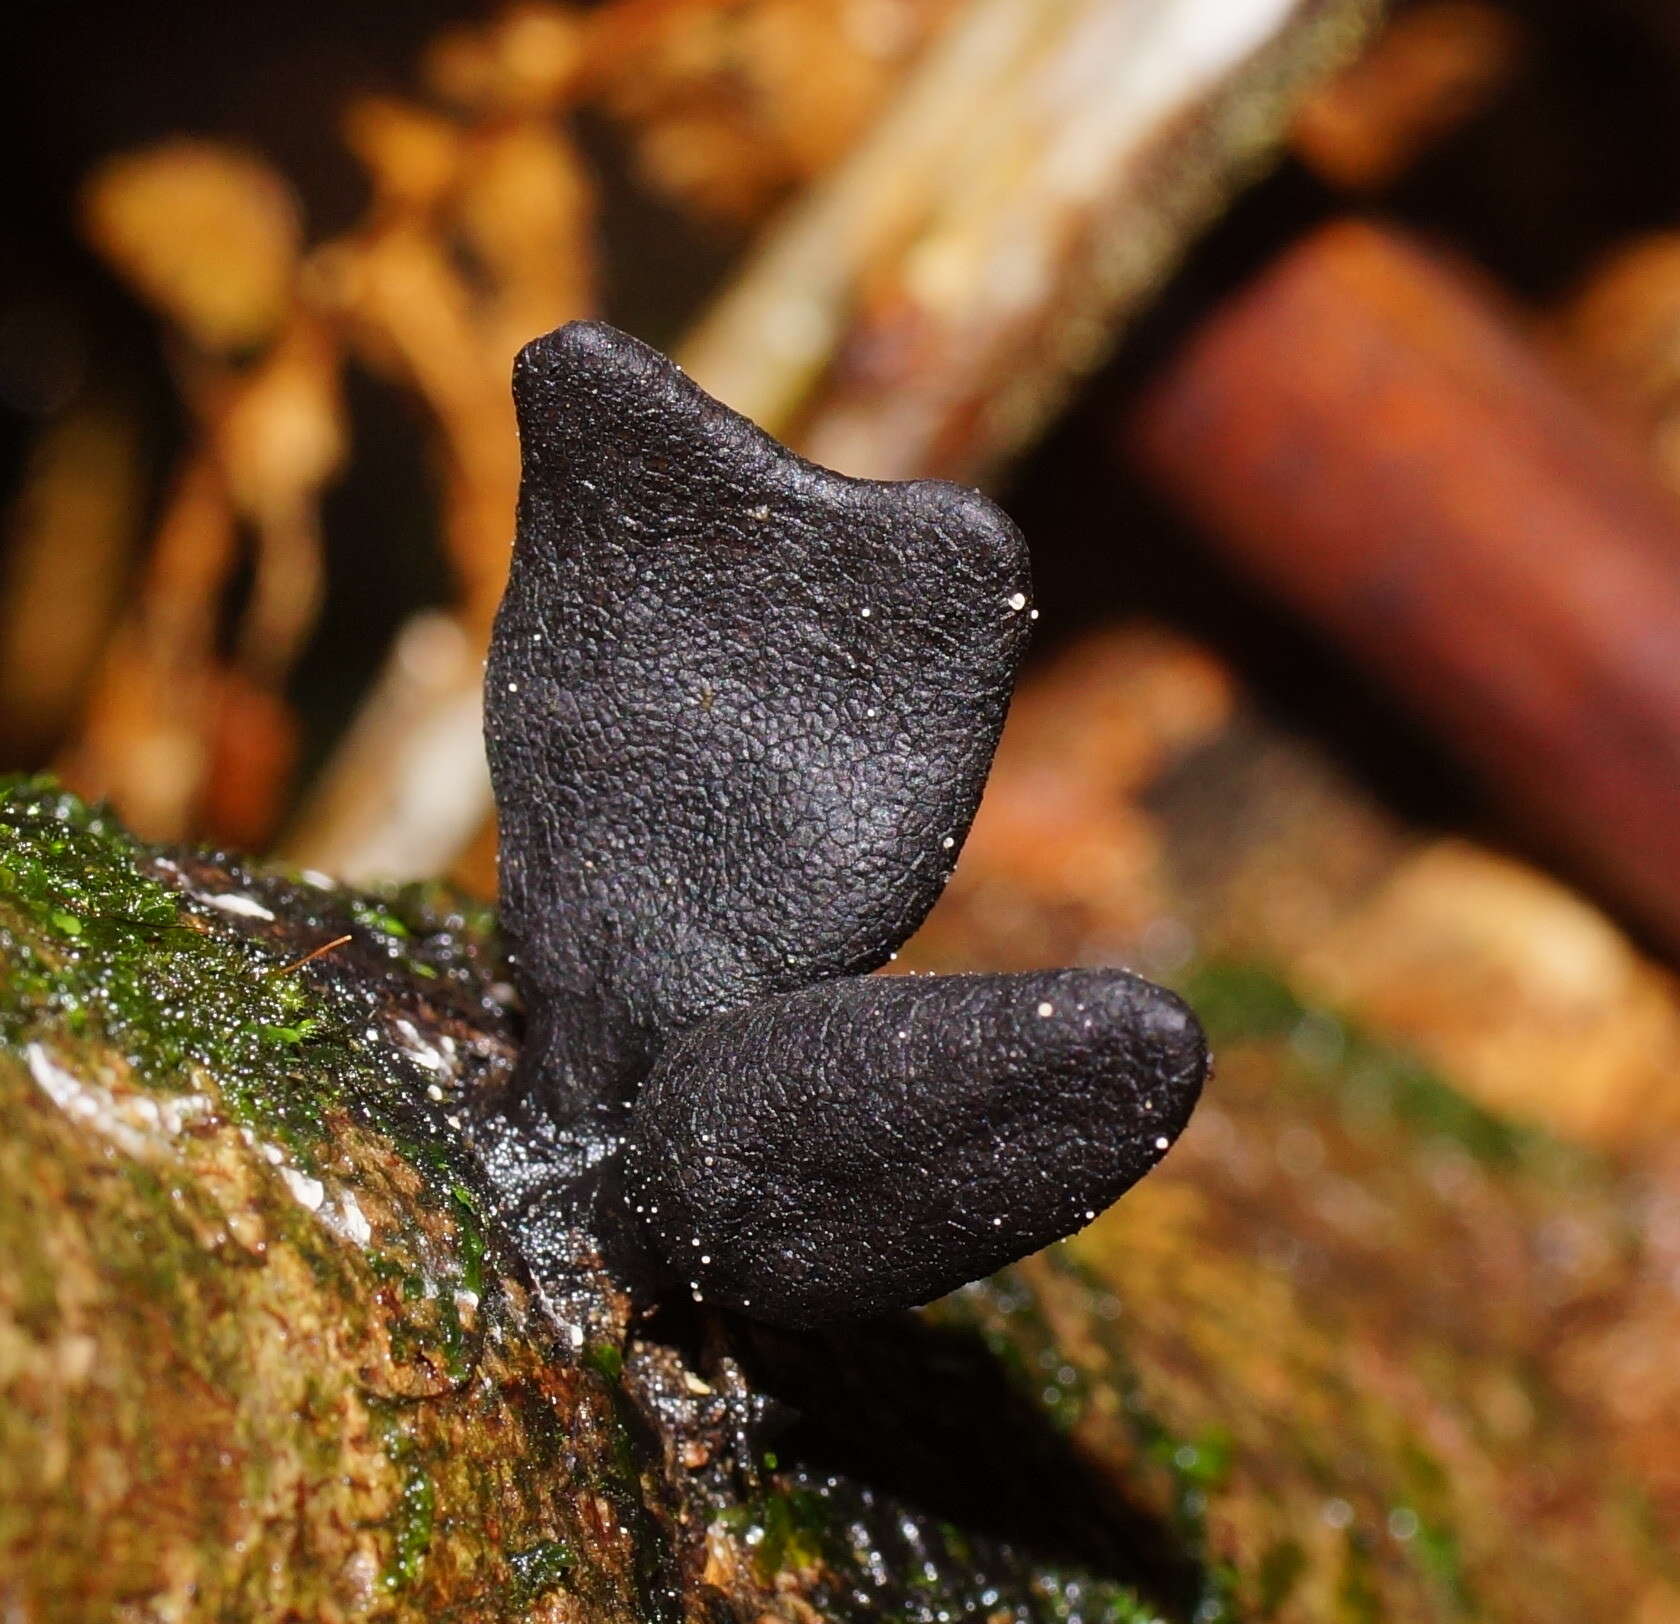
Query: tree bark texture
column 266, row 1351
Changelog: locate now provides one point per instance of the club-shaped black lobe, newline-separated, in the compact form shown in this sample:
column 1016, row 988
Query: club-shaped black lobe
column 739, row 709
column 878, row 1141
column 739, row 712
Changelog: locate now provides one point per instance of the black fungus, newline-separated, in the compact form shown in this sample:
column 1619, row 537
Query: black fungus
column 739, row 712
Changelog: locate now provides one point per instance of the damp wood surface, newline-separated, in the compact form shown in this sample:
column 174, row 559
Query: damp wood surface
column 265, row 1350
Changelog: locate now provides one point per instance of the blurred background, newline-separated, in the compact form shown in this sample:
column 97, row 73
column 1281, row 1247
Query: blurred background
column 1329, row 357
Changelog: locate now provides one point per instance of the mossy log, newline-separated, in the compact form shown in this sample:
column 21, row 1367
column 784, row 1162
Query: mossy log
column 266, row 1352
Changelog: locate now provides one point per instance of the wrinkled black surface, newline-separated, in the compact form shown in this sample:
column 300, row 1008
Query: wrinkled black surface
column 739, row 711
column 736, row 705
column 868, row 1143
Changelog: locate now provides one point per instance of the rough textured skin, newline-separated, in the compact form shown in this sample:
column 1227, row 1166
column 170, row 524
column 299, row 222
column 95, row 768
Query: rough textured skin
column 739, row 712
column 740, row 709
column 845, row 1150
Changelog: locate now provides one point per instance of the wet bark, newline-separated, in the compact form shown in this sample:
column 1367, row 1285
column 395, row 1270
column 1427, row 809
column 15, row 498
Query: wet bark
column 266, row 1350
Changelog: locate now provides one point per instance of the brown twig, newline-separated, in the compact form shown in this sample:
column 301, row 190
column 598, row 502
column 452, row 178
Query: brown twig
column 313, row 954
column 1365, row 430
column 925, row 307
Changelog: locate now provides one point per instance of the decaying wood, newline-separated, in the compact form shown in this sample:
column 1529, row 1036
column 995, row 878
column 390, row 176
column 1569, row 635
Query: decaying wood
column 1365, row 432
column 265, row 1349
column 259, row 1347
column 924, row 308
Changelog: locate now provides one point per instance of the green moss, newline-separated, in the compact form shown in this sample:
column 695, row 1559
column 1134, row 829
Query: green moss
column 370, row 916
column 1196, row 1469
column 179, row 996
column 472, row 1242
column 413, row 1522
column 174, row 997
column 786, row 1530
column 539, row 1569
column 1438, row 1553
column 425, row 929
column 1280, row 1571
column 1082, row 1601
column 1380, row 1085
column 1006, row 1313
column 860, row 1556
column 97, row 949
column 1200, row 1466
column 606, row 1359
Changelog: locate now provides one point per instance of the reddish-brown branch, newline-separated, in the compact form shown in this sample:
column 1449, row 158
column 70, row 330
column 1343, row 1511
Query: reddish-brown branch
column 1365, row 431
